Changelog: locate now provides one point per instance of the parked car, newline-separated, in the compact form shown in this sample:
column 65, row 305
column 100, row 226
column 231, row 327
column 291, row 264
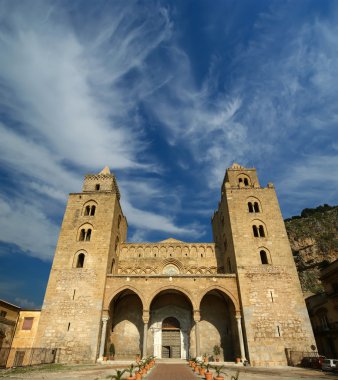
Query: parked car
column 329, row 364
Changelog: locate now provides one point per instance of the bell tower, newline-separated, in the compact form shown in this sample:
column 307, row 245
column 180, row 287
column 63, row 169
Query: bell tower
column 92, row 228
column 249, row 229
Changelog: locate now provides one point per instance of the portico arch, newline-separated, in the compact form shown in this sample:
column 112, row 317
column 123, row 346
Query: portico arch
column 170, row 304
column 125, row 322
column 179, row 289
column 222, row 290
column 218, row 313
column 108, row 301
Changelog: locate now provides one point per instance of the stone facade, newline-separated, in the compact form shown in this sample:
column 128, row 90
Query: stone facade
column 107, row 297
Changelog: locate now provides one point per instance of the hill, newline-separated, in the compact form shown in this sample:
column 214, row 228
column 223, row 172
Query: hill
column 314, row 242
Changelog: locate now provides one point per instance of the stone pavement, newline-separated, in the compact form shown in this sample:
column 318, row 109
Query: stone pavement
column 171, row 372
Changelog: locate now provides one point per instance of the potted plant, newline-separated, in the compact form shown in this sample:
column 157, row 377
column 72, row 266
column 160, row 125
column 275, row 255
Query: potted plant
column 217, row 351
column 138, row 358
column 218, row 370
column 118, row 375
column 202, row 368
column 205, row 358
column 131, row 370
column 235, row 377
column 112, row 351
column 208, row 374
column 139, row 371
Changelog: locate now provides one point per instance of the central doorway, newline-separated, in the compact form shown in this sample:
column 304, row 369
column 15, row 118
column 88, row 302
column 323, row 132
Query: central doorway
column 171, row 338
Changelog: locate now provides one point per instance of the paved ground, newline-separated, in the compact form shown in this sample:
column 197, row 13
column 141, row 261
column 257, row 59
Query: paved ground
column 166, row 371
column 171, row 372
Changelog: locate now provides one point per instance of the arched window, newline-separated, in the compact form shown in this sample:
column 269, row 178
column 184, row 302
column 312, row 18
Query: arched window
column 264, row 257
column 112, row 266
column 82, row 234
column 261, row 231
column 256, row 207
column 80, row 260
column 250, row 207
column 246, row 182
column 89, row 208
column 240, row 180
column 255, row 231
column 97, row 186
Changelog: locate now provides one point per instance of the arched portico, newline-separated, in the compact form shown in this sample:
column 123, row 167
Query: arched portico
column 123, row 322
column 170, row 304
column 218, row 324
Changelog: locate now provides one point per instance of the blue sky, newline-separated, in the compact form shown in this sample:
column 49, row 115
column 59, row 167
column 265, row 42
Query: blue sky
column 167, row 94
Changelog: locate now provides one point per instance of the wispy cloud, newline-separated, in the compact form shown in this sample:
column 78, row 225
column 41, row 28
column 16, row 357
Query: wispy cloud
column 68, row 107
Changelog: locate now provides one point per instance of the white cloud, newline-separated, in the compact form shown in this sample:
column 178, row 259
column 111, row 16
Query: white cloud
column 22, row 223
column 67, row 108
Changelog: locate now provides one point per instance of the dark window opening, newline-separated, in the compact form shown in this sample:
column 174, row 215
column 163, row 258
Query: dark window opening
column 3, row 313
column 255, row 231
column 112, row 266
column 256, row 207
column 82, row 234
column 97, row 187
column 119, row 221
column 240, row 180
column 87, row 210
column 80, row 260
column 264, row 257
column 261, row 231
column 246, row 182
column 88, row 234
column 92, row 211
column 68, row 326
column 250, row 207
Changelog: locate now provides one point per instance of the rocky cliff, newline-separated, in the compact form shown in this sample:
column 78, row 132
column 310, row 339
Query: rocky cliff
column 314, row 242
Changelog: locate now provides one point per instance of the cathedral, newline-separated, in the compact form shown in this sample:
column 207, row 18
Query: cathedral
column 174, row 299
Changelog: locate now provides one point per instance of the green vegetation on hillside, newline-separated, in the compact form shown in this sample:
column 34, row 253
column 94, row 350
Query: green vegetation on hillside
column 314, row 242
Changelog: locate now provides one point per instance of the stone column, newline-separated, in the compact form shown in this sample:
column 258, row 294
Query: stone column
column 103, row 336
column 240, row 336
column 197, row 318
column 145, row 318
